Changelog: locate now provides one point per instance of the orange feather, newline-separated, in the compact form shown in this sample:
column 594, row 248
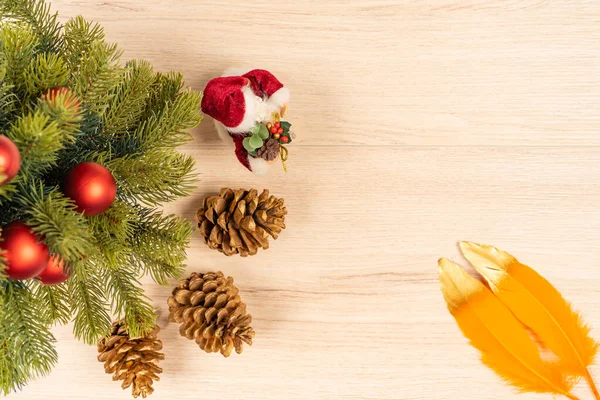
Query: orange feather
column 502, row 340
column 539, row 306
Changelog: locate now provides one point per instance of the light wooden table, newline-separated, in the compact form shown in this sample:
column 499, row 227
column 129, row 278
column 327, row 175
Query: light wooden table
column 420, row 123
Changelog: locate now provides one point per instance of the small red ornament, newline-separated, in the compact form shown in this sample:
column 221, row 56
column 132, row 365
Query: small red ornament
column 26, row 256
column 54, row 273
column 280, row 131
column 285, row 139
column 91, row 186
column 277, row 124
column 10, row 159
column 71, row 100
column 273, row 129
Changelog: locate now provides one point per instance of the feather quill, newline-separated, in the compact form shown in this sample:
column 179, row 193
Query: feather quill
column 502, row 340
column 539, row 306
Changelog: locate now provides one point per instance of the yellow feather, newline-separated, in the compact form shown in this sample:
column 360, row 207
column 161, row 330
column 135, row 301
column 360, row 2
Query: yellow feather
column 502, row 340
column 539, row 306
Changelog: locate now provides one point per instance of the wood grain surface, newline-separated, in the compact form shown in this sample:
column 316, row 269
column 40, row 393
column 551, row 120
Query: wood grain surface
column 420, row 123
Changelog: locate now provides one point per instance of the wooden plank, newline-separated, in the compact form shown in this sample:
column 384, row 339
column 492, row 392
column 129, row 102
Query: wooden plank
column 380, row 72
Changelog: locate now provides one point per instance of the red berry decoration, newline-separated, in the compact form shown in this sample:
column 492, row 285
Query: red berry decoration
column 278, row 124
column 274, row 129
column 26, row 256
column 54, row 273
column 280, row 131
column 284, row 139
column 71, row 100
column 10, row 159
column 91, row 186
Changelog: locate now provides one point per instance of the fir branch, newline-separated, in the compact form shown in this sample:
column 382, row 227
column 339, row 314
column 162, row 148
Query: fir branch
column 88, row 301
column 128, row 118
column 165, row 89
column 8, row 100
column 45, row 71
column 112, row 230
column 79, row 37
column 64, row 109
column 38, row 15
column 94, row 64
column 53, row 301
column 129, row 101
column 98, row 75
column 159, row 245
column 19, row 43
column 128, row 299
column 8, row 190
column 157, row 176
column 90, row 145
column 27, row 344
column 166, row 128
column 39, row 138
column 54, row 216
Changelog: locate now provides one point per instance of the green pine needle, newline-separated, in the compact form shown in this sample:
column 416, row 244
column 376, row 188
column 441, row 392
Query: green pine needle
column 159, row 245
column 53, row 301
column 27, row 344
column 53, row 216
column 39, row 17
column 88, row 300
column 129, row 301
column 154, row 177
column 45, row 71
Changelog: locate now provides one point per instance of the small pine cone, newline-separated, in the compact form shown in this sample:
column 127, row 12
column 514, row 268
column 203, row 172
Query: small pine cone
column 240, row 221
column 133, row 360
column 269, row 151
column 211, row 312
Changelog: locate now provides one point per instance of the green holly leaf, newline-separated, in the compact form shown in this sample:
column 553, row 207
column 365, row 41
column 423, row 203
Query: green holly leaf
column 255, row 141
column 263, row 132
column 247, row 145
column 286, row 135
column 285, row 125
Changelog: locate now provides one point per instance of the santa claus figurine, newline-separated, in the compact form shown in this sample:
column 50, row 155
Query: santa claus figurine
column 240, row 102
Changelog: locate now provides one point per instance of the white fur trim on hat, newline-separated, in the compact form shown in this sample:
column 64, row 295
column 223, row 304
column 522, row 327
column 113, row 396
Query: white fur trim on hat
column 249, row 114
column 258, row 165
column 280, row 97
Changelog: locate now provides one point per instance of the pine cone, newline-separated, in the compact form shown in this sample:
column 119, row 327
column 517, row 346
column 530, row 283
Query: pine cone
column 240, row 221
column 132, row 360
column 270, row 150
column 211, row 312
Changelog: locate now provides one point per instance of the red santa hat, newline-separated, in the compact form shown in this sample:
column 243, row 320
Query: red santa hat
column 241, row 101
column 232, row 100
column 223, row 100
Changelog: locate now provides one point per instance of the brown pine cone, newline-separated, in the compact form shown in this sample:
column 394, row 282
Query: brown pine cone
column 240, row 221
column 269, row 151
column 133, row 360
column 211, row 312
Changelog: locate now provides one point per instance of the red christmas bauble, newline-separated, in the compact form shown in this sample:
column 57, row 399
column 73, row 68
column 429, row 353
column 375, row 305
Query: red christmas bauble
column 26, row 256
column 54, row 273
column 10, row 159
column 71, row 100
column 91, row 186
